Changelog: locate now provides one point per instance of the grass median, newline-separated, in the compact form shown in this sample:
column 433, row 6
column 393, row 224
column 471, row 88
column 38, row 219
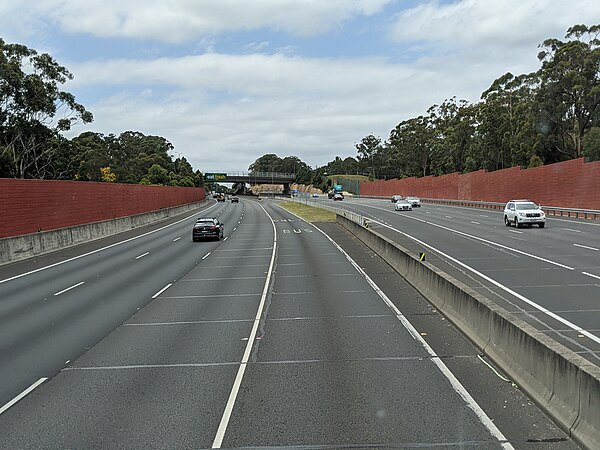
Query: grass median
column 309, row 213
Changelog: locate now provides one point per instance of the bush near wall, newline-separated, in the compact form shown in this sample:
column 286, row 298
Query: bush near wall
column 569, row 184
column 29, row 206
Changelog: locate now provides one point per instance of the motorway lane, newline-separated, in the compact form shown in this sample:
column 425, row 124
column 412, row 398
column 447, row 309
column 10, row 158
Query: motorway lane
column 334, row 365
column 161, row 379
column 330, row 362
column 44, row 324
column 541, row 265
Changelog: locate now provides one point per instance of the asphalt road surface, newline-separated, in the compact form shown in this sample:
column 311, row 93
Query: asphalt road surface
column 548, row 277
column 273, row 337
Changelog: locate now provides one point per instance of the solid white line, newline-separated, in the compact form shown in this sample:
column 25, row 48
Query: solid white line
column 69, row 288
column 585, row 246
column 456, row 385
column 142, row 255
column 22, row 394
column 591, row 275
column 162, row 290
column 206, row 256
column 100, row 249
column 539, row 258
column 176, row 239
column 240, row 374
column 501, row 286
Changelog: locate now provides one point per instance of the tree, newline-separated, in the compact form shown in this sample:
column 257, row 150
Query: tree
column 368, row 153
column 107, row 176
column 30, row 101
column 569, row 95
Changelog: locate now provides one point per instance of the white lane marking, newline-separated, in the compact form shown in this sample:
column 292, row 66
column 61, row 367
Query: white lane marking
column 242, row 368
column 427, row 212
column 162, row 290
column 22, row 394
column 206, row 256
column 591, row 275
column 456, row 385
column 501, row 286
column 483, row 215
column 476, row 223
column 585, row 246
column 225, row 238
column 69, row 288
column 539, row 258
column 176, row 239
column 100, row 249
column 142, row 255
column 448, row 217
column 235, row 229
column 574, row 231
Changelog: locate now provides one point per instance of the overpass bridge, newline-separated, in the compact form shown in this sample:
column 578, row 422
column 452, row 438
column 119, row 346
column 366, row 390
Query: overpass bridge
column 252, row 178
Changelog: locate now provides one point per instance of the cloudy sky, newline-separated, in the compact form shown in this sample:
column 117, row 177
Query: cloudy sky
column 226, row 81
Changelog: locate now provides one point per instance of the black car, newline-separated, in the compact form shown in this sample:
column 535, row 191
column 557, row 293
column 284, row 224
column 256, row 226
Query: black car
column 207, row 227
column 235, row 200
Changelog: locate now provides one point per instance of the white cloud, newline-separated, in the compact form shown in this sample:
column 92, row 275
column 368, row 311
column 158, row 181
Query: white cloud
column 184, row 20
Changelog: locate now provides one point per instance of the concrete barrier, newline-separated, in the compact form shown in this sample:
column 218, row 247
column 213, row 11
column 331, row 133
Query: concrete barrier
column 29, row 245
column 562, row 383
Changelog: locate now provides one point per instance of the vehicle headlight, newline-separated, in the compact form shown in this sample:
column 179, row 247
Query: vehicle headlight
column 521, row 214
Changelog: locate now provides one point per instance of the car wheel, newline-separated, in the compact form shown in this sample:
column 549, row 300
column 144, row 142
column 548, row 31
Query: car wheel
column 517, row 224
column 541, row 225
column 506, row 222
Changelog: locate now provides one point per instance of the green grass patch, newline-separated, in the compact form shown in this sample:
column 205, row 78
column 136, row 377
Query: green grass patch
column 309, row 213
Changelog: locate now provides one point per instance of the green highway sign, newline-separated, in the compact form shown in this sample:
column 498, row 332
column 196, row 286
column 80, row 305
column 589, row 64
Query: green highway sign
column 215, row 176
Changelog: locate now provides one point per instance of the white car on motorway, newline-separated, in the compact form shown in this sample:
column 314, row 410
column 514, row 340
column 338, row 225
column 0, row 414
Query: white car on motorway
column 402, row 205
column 523, row 212
column 415, row 202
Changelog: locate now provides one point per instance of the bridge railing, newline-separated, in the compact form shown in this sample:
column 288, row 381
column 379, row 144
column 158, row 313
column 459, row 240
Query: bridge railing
column 251, row 175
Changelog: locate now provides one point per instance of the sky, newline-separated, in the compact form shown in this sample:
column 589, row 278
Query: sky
column 227, row 81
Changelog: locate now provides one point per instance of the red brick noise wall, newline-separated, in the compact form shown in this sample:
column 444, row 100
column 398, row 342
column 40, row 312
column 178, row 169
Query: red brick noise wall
column 28, row 206
column 569, row 184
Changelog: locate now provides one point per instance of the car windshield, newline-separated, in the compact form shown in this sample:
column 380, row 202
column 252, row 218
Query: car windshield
column 523, row 206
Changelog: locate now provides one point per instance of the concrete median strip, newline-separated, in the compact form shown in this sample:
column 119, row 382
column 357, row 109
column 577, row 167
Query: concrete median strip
column 563, row 383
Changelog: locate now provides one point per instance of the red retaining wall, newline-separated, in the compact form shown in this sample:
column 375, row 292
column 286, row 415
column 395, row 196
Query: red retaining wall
column 28, row 206
column 569, row 184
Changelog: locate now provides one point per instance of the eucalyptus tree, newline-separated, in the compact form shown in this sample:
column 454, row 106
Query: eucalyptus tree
column 33, row 110
column 569, row 95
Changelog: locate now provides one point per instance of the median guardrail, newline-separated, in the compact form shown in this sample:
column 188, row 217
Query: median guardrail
column 565, row 385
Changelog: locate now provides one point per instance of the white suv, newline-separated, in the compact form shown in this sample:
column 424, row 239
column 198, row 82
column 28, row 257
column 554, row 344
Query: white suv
column 523, row 212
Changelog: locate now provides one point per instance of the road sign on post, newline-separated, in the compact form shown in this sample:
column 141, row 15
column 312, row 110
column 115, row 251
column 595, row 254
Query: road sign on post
column 215, row 176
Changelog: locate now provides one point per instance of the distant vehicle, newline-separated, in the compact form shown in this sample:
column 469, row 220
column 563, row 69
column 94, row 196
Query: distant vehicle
column 207, row 227
column 315, row 195
column 330, row 194
column 402, row 205
column 235, row 199
column 524, row 212
column 220, row 197
column 415, row 202
column 395, row 198
column 215, row 195
column 338, row 196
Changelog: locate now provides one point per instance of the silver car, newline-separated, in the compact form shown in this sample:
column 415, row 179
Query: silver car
column 523, row 212
column 415, row 202
column 402, row 205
